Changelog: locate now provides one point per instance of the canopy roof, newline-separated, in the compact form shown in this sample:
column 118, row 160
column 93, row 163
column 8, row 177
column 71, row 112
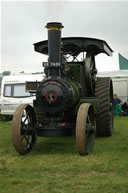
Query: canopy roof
column 76, row 45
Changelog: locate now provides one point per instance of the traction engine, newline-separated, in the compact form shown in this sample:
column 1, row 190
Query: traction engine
column 71, row 99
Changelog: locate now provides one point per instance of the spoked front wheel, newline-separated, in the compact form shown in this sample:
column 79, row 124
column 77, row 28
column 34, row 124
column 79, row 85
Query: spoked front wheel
column 85, row 129
column 23, row 129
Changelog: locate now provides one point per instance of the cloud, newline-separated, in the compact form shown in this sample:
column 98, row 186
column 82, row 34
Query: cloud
column 23, row 23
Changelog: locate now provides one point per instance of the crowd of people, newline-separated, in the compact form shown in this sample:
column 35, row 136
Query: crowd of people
column 120, row 108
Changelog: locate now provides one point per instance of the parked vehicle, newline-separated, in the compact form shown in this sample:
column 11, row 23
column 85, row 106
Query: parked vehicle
column 71, row 98
column 13, row 92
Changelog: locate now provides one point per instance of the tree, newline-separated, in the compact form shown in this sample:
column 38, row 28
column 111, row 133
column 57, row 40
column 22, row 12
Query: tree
column 6, row 73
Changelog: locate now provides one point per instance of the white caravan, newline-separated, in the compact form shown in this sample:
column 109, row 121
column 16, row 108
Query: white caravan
column 13, row 92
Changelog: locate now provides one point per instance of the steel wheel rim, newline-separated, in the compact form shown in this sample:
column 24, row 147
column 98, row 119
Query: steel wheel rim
column 27, row 133
column 23, row 132
column 85, row 129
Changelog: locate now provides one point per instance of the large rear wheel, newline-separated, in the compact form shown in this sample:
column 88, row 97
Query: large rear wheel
column 104, row 118
column 23, row 129
column 85, row 129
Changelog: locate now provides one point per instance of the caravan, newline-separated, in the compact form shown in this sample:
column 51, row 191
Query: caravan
column 13, row 92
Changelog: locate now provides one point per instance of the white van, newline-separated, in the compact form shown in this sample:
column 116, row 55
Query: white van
column 13, row 92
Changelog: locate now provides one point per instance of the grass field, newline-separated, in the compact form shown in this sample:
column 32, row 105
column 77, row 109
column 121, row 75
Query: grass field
column 54, row 165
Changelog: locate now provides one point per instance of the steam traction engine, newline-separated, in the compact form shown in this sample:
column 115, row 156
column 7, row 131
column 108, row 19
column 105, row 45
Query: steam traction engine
column 71, row 99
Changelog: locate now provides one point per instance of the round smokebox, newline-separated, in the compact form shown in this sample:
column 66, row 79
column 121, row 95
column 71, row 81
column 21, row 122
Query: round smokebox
column 54, row 95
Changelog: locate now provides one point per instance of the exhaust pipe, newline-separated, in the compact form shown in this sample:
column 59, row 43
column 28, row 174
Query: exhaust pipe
column 54, row 48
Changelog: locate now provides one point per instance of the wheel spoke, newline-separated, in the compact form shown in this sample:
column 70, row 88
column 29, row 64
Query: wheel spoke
column 27, row 139
column 24, row 120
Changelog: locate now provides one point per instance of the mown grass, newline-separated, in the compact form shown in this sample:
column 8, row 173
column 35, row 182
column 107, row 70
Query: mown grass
column 54, row 165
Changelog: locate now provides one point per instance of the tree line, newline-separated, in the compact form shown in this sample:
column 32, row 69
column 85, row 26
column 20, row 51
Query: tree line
column 5, row 73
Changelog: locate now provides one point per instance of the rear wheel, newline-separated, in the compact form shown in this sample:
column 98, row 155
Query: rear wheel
column 104, row 118
column 85, row 129
column 23, row 129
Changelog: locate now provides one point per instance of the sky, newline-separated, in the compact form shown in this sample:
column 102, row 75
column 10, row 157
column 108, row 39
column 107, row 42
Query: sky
column 23, row 23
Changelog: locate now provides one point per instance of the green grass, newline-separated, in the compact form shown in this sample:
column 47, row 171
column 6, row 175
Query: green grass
column 54, row 165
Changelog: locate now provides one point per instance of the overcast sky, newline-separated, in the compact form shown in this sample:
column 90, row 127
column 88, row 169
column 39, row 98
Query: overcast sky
column 23, row 23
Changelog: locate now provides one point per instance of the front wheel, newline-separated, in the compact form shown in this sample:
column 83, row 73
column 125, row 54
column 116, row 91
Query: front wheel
column 23, row 129
column 85, row 129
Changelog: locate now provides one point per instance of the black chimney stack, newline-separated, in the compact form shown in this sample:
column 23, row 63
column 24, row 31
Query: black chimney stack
column 54, row 47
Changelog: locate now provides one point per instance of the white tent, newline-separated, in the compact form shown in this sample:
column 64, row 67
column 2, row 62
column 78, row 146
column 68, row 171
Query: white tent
column 116, row 68
column 107, row 63
column 114, row 73
column 120, row 82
